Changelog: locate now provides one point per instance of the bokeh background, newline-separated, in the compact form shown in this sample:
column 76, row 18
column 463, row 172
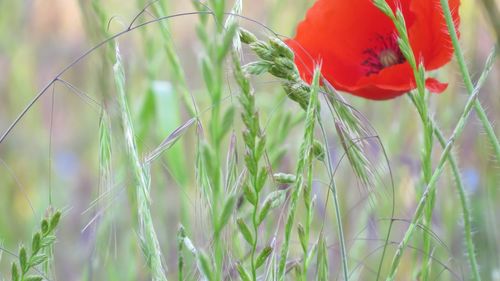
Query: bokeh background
column 51, row 156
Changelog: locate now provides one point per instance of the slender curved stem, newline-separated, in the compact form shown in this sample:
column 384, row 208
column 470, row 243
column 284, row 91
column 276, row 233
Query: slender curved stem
column 478, row 107
column 467, row 79
column 343, row 251
column 336, row 204
column 464, row 203
column 428, row 191
column 437, row 172
column 471, row 253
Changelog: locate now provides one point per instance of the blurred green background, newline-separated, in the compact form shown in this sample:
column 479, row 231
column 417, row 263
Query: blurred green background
column 51, row 157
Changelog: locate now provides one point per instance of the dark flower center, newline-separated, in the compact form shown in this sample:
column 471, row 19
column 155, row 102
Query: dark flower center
column 383, row 53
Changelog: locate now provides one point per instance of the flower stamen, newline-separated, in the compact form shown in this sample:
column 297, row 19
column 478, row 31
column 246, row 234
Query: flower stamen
column 384, row 53
column 388, row 57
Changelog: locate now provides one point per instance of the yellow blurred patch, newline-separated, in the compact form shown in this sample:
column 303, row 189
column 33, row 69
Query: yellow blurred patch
column 21, row 205
column 57, row 17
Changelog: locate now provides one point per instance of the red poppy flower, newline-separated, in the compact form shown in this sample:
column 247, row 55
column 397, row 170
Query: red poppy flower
column 357, row 48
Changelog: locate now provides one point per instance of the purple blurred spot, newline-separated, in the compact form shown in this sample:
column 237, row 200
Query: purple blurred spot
column 471, row 180
column 67, row 165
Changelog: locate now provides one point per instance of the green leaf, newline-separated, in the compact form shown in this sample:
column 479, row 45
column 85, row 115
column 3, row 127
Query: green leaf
column 15, row 272
column 206, row 266
column 169, row 116
column 33, row 278
column 261, row 259
column 283, row 178
column 318, row 150
column 262, row 50
column 207, row 70
column 251, row 164
column 145, row 114
column 302, row 237
column 218, row 8
column 245, row 276
column 260, row 146
column 245, row 231
column 227, row 122
column 309, row 256
column 105, row 150
column 257, row 67
column 246, row 36
column 232, row 162
column 261, row 180
column 35, row 243
column 227, row 42
column 54, row 221
column 276, row 198
column 48, row 240
column 23, row 260
column 322, row 259
column 207, row 154
column 201, row 32
column 249, row 195
column 226, row 213
column 281, row 48
column 264, row 211
column 44, row 226
column 37, row 259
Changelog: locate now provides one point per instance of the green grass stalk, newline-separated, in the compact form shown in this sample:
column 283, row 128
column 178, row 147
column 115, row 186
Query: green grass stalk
column 308, row 202
column 464, row 203
column 422, row 105
column 429, row 129
column 347, row 115
column 439, row 169
column 490, row 132
column 343, row 251
column 305, row 151
column 175, row 68
column 255, row 144
column 149, row 241
column 216, row 48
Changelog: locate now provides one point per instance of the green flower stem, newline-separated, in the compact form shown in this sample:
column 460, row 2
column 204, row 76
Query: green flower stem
column 338, row 216
column 427, row 173
column 216, row 177
column 471, row 253
column 256, row 237
column 149, row 240
column 422, row 108
column 428, row 142
column 464, row 203
column 343, row 251
column 428, row 191
column 309, row 211
column 490, row 132
column 254, row 143
column 305, row 151
column 432, row 184
column 212, row 65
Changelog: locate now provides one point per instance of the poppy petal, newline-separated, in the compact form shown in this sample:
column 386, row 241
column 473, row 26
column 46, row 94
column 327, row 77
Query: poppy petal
column 429, row 36
column 434, row 86
column 332, row 33
column 362, row 57
column 376, row 93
